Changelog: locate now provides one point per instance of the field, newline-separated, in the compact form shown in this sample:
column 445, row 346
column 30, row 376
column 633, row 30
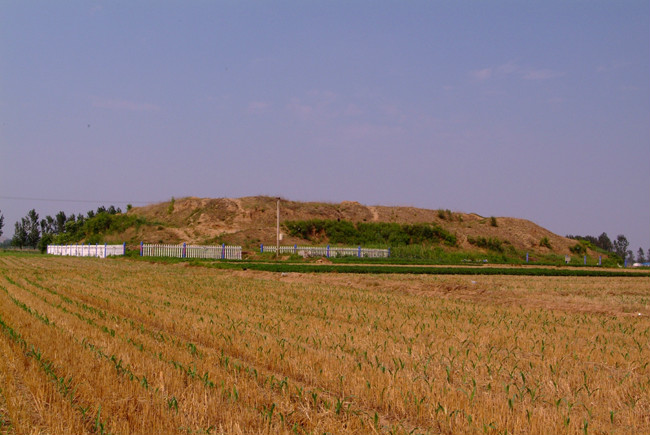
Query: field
column 124, row 346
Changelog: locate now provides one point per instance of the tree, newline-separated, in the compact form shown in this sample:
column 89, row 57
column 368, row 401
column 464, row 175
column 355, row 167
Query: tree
column 2, row 223
column 59, row 226
column 605, row 243
column 47, row 225
column 32, row 228
column 602, row 241
column 640, row 257
column 70, row 224
column 45, row 240
column 20, row 235
column 620, row 246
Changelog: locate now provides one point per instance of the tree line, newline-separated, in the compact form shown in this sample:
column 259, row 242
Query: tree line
column 618, row 247
column 33, row 232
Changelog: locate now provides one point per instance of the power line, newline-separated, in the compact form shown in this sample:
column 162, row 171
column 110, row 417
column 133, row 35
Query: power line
column 25, row 198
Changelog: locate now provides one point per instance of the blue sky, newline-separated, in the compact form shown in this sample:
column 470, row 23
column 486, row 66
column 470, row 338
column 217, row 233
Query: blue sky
column 532, row 109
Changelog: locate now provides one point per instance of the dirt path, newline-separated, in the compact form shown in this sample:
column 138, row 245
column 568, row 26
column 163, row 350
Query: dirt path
column 375, row 214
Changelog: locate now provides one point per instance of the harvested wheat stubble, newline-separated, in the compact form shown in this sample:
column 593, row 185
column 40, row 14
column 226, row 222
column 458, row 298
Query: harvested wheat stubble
column 132, row 347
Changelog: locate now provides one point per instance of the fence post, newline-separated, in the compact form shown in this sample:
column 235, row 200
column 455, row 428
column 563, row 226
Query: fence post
column 359, row 251
column 328, row 251
column 124, row 248
column 141, row 248
column 223, row 251
column 389, row 252
column 600, row 260
column 526, row 257
column 262, row 248
column 184, row 250
column 295, row 249
column 585, row 260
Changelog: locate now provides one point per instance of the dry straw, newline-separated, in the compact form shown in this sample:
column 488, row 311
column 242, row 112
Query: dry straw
column 94, row 346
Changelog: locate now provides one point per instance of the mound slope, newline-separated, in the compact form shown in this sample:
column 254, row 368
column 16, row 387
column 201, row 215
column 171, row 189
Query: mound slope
column 250, row 221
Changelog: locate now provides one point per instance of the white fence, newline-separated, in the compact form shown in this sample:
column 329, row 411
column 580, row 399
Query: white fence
column 191, row 251
column 327, row 251
column 101, row 251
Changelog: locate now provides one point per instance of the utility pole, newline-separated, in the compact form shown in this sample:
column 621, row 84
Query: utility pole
column 277, row 233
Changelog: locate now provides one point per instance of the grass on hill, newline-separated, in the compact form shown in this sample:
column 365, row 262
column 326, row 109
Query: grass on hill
column 371, row 234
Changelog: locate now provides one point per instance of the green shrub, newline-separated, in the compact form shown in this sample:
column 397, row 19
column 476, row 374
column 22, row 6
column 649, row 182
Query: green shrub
column 45, row 240
column 493, row 221
column 578, row 249
column 369, row 233
column 94, row 230
column 445, row 214
column 544, row 242
column 491, row 243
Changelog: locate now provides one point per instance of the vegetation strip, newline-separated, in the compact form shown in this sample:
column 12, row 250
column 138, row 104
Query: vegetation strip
column 420, row 270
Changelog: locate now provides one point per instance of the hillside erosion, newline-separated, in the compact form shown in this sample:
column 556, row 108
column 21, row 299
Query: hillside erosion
column 250, row 221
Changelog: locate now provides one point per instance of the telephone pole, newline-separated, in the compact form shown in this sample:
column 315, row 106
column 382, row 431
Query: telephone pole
column 277, row 233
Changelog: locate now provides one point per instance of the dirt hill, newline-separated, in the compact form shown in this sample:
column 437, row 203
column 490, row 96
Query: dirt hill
column 250, row 221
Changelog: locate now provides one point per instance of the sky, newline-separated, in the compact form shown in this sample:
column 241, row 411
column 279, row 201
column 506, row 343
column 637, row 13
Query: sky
column 532, row 109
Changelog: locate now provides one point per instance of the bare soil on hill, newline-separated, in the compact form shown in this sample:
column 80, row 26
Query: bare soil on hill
column 249, row 221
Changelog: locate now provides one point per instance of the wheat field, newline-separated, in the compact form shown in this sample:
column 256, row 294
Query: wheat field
column 124, row 346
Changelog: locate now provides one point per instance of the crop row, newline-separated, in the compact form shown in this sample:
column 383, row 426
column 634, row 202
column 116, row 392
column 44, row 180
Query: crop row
column 170, row 348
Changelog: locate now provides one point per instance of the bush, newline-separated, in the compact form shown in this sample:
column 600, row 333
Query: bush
column 46, row 239
column 369, row 233
column 493, row 221
column 445, row 214
column 491, row 243
column 578, row 249
column 544, row 242
column 93, row 230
